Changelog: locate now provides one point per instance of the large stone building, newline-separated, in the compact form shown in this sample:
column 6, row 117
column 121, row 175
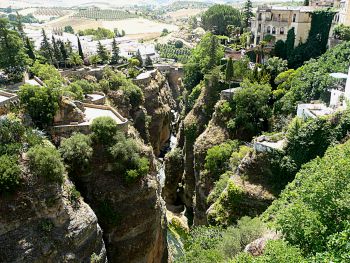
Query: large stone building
column 344, row 12
column 277, row 20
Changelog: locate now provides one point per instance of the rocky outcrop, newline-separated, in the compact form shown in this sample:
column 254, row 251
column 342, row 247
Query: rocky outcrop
column 214, row 134
column 158, row 103
column 256, row 248
column 132, row 216
column 69, row 112
column 42, row 223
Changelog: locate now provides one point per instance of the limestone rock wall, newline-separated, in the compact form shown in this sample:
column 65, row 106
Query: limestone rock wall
column 39, row 223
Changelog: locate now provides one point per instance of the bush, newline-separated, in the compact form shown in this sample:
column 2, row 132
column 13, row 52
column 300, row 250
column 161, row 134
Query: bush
column 179, row 44
column 217, row 158
column 104, row 129
column 11, row 135
column 76, row 151
column 128, row 161
column 46, row 162
column 9, row 173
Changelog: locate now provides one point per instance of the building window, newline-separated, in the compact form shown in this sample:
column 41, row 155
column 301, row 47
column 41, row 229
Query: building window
column 294, row 17
column 282, row 31
column 259, row 28
column 268, row 30
column 273, row 31
column 279, row 17
column 259, row 18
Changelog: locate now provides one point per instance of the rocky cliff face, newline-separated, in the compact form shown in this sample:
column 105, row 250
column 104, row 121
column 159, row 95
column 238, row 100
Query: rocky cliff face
column 42, row 223
column 132, row 216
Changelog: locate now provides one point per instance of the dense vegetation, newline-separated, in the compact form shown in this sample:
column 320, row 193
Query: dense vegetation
column 98, row 34
column 218, row 17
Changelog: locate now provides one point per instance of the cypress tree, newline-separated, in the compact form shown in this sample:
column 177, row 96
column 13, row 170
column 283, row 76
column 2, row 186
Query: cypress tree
column 46, row 48
column 139, row 57
column 102, row 53
column 64, row 53
column 115, row 53
column 56, row 51
column 229, row 70
column 290, row 42
column 80, row 49
column 20, row 26
column 30, row 51
column 148, row 61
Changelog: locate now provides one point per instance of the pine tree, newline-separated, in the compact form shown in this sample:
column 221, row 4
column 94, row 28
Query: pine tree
column 80, row 49
column 115, row 53
column 56, row 52
column 213, row 48
column 46, row 48
column 64, row 53
column 20, row 28
column 148, row 61
column 247, row 13
column 102, row 53
column 306, row 2
column 29, row 47
column 229, row 70
column 139, row 57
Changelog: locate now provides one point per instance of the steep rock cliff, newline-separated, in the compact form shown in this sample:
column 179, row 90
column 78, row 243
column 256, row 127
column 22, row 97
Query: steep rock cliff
column 132, row 216
column 40, row 223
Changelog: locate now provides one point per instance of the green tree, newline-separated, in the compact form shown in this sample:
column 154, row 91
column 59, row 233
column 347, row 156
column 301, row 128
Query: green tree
column 148, row 61
column 80, row 49
column 46, row 48
column 102, row 53
column 46, row 162
column 75, row 60
column 9, row 173
column 139, row 57
column 104, row 129
column 280, row 49
column 247, row 13
column 229, row 70
column 56, row 52
column 41, row 103
column 13, row 57
column 290, row 42
column 64, row 52
column 306, row 2
column 115, row 53
column 69, row 29
column 94, row 60
column 218, row 17
column 76, row 151
column 30, row 50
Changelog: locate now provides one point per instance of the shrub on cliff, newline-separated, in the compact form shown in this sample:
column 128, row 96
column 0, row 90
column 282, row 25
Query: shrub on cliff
column 9, row 173
column 217, row 158
column 45, row 161
column 76, row 151
column 127, row 159
column 103, row 130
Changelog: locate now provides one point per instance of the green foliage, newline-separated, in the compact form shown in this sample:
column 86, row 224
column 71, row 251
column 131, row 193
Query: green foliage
column 13, row 57
column 215, row 244
column 280, row 49
column 247, row 13
column 205, row 56
column 193, row 96
column 75, row 59
column 74, row 196
column 275, row 251
column 103, row 130
column 128, row 161
column 69, row 29
column 86, row 86
column 217, row 158
column 74, row 91
column 103, row 53
column 98, row 34
column 41, row 103
column 229, row 70
column 290, row 41
column 250, row 109
column 314, row 207
column 76, row 151
column 9, row 173
column 179, row 44
column 46, row 72
column 218, row 17
column 46, row 162
column 341, row 32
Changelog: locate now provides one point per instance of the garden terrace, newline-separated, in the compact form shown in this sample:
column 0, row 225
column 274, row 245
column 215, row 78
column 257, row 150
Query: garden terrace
column 6, row 101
